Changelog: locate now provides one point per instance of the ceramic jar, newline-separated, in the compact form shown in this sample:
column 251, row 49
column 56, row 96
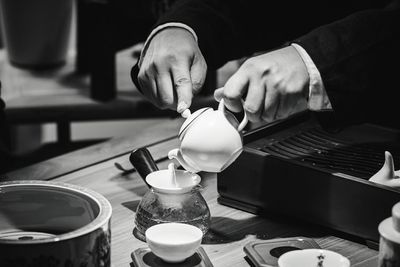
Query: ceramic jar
column 53, row 224
column 389, row 244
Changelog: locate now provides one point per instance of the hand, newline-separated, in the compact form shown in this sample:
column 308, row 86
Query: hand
column 172, row 70
column 273, row 86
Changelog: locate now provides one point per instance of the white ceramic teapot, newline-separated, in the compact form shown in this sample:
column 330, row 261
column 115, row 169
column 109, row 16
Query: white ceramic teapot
column 210, row 140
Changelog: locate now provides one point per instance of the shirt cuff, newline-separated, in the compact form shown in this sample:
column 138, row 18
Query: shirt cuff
column 160, row 28
column 318, row 99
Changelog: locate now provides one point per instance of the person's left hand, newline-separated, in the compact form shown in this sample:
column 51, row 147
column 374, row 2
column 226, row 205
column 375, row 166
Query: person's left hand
column 273, row 86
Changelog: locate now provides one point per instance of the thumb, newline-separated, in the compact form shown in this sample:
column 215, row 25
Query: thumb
column 219, row 94
column 183, row 87
column 198, row 74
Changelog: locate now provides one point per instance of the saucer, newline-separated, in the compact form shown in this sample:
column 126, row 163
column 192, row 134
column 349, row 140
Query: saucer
column 143, row 257
column 313, row 257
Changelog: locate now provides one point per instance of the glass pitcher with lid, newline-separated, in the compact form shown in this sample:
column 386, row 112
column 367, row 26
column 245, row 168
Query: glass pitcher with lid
column 172, row 200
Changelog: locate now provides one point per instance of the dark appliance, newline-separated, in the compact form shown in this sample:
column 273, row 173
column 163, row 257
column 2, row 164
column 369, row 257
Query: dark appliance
column 297, row 169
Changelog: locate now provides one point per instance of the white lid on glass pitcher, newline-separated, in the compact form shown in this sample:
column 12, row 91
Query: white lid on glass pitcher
column 172, row 181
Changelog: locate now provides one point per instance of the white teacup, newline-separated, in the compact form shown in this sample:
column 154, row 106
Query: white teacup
column 210, row 140
column 173, row 242
column 313, row 257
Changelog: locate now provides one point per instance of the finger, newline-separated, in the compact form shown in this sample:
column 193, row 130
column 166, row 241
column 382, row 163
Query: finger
column 254, row 103
column 291, row 104
column 148, row 85
column 165, row 92
column 286, row 106
column 234, row 90
column 183, row 86
column 198, row 74
column 271, row 105
column 219, row 94
column 301, row 105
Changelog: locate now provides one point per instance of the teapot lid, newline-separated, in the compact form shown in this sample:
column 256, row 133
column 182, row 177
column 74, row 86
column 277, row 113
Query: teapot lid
column 190, row 119
column 389, row 228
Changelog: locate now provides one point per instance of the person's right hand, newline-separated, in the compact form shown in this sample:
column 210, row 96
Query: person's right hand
column 172, row 69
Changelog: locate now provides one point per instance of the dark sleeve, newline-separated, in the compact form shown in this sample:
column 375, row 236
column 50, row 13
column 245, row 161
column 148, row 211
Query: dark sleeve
column 358, row 59
column 230, row 29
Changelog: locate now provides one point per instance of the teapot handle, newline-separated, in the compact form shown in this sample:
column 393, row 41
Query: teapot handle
column 243, row 123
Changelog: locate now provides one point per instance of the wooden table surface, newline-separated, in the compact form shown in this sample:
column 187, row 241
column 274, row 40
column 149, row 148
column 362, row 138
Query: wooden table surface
column 230, row 230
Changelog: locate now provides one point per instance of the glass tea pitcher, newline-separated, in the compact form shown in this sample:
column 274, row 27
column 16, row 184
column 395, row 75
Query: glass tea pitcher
column 173, row 196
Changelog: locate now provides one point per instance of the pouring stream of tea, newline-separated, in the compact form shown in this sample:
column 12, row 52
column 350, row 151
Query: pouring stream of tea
column 172, row 176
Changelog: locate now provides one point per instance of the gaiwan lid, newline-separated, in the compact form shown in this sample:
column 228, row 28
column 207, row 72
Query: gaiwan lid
column 190, row 118
column 172, row 181
column 390, row 227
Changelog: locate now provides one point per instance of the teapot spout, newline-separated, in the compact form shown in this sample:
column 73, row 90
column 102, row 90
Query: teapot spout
column 177, row 155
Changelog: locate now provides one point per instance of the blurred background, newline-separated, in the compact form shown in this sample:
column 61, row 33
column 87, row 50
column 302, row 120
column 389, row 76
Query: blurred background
column 65, row 72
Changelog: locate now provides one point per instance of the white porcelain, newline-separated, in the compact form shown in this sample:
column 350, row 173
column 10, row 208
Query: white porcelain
column 210, row 140
column 162, row 181
column 47, row 223
column 387, row 175
column 313, row 257
column 389, row 242
column 173, row 242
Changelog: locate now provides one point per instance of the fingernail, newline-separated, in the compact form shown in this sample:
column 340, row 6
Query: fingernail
column 218, row 94
column 181, row 106
column 186, row 113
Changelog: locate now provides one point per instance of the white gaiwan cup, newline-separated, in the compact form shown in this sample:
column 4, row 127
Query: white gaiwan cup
column 210, row 140
column 173, row 242
column 313, row 257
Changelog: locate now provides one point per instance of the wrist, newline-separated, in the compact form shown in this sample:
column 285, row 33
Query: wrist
column 164, row 27
column 317, row 97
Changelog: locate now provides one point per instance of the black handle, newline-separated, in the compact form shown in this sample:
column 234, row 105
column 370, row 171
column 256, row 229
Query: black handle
column 143, row 162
